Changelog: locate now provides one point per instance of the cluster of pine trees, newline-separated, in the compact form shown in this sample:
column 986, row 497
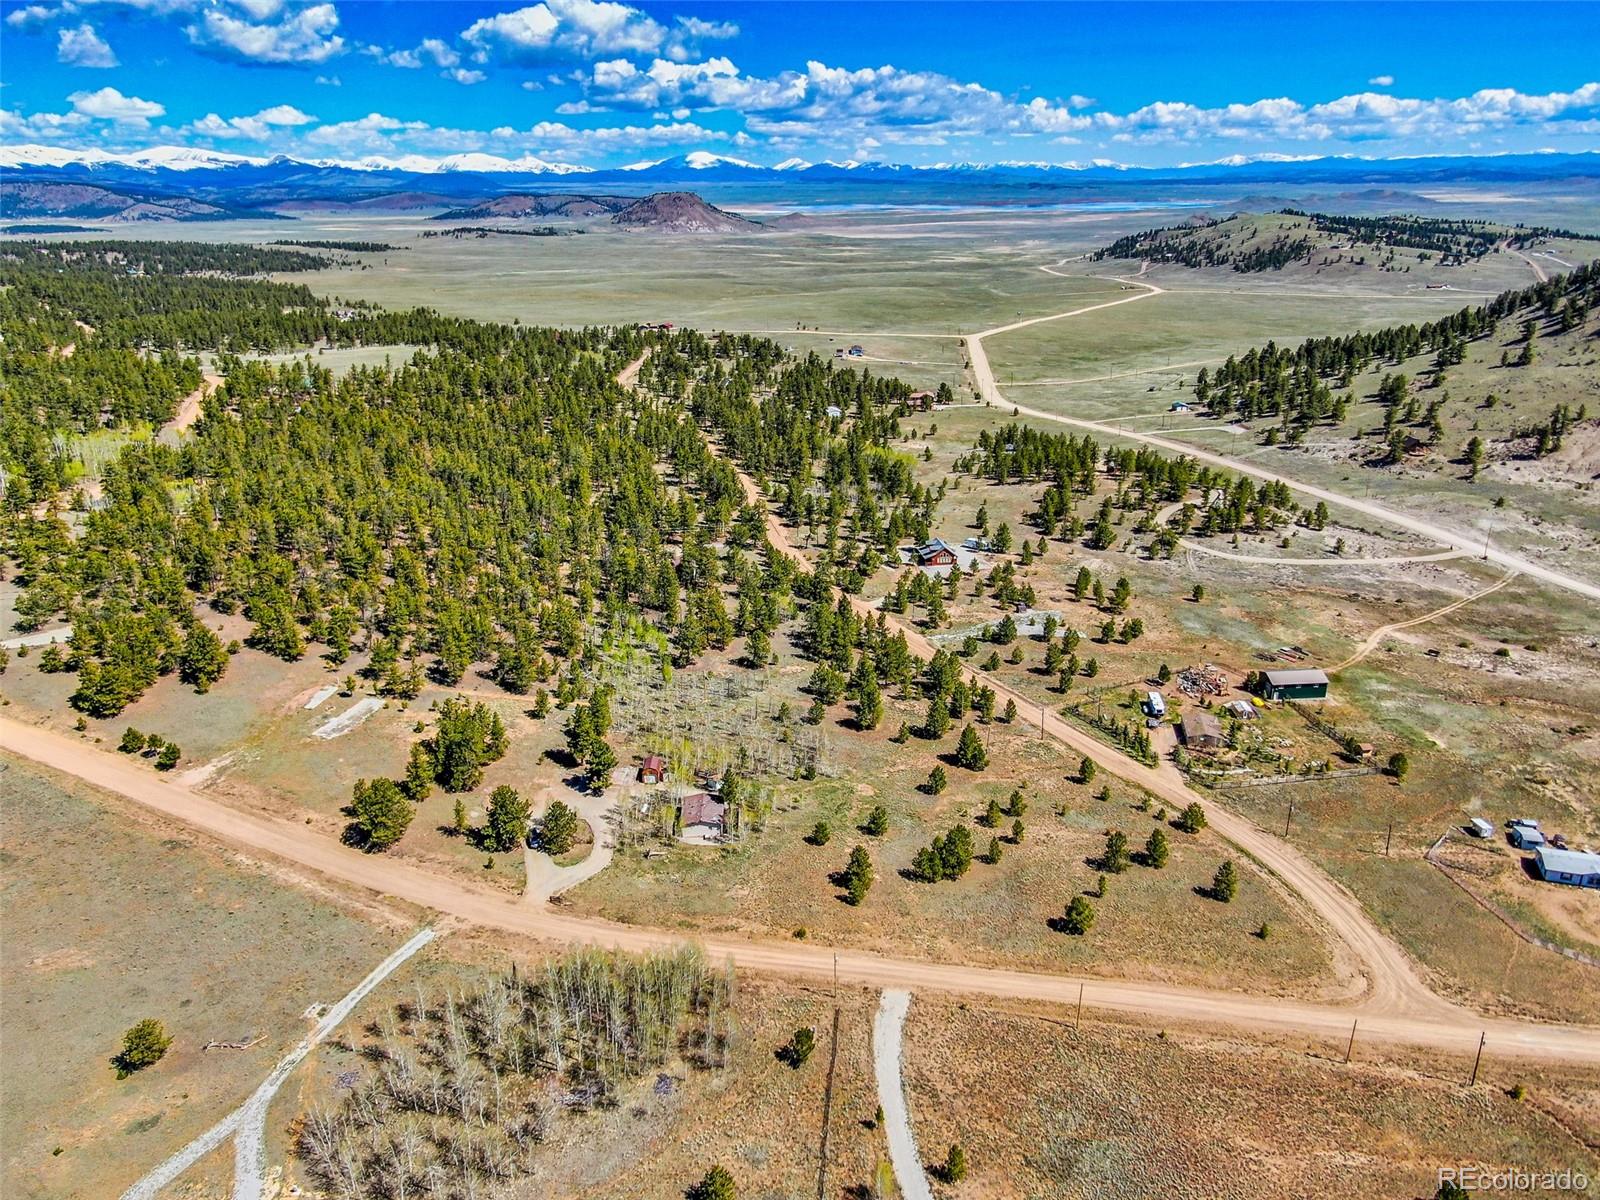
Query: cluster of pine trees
column 1296, row 387
column 1197, row 245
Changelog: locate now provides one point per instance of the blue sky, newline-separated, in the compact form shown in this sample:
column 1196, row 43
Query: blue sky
column 607, row 83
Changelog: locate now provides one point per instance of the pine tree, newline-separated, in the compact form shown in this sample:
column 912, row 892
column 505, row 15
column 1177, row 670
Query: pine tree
column 382, row 813
column 558, row 829
column 420, row 772
column 970, row 752
column 869, row 703
column 1156, row 850
column 1115, row 857
column 201, row 658
column 1225, row 884
column 1079, row 918
column 143, row 1045
column 858, row 875
column 717, row 1184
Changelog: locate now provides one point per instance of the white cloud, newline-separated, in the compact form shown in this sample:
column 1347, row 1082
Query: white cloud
column 683, row 43
column 1381, row 81
column 372, row 132
column 305, row 36
column 257, row 128
column 41, row 127
column 108, row 104
column 559, row 30
column 30, row 17
column 442, row 55
column 83, row 47
column 1363, row 116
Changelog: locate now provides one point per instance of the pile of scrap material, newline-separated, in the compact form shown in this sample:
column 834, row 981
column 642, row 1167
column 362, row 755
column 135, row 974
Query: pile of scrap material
column 1204, row 680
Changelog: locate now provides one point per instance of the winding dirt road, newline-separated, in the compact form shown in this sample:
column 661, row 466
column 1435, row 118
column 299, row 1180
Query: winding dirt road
column 1385, row 1016
column 1374, row 638
column 983, row 378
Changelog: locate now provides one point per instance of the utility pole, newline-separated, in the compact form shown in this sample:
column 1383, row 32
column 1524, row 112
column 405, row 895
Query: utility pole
column 1482, row 1038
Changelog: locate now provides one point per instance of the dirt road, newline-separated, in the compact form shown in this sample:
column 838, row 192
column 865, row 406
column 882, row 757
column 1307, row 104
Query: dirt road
column 983, row 378
column 247, row 1124
column 1385, row 1016
column 887, row 1031
column 1362, row 946
column 1377, row 635
column 189, row 407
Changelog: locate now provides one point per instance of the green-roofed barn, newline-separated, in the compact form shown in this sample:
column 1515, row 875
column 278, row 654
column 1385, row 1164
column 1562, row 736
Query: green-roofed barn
column 1294, row 685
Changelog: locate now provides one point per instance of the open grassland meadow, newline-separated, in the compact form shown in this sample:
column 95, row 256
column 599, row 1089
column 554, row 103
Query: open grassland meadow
column 686, row 677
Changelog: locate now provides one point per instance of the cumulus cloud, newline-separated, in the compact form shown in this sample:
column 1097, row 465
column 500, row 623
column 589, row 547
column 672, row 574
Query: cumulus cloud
column 892, row 106
column 1363, row 116
column 561, row 30
column 683, row 42
column 29, row 17
column 257, row 128
column 83, row 47
column 108, row 104
column 267, row 34
column 41, row 127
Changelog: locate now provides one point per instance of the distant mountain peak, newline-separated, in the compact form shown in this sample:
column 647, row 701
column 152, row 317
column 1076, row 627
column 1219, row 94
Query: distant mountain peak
column 681, row 212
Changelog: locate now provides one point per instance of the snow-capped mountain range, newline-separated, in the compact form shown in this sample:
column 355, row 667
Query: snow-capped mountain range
column 187, row 159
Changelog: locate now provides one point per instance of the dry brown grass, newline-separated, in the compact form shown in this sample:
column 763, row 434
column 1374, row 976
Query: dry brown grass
column 1113, row 1111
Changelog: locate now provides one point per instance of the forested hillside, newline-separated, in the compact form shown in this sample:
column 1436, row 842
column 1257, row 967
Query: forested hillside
column 1473, row 385
column 1249, row 243
column 501, row 500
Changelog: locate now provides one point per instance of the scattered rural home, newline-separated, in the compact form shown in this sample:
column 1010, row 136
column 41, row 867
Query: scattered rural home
column 1303, row 684
column 1202, row 731
column 1577, row 867
column 1526, row 837
column 939, row 556
column 653, row 769
column 702, row 817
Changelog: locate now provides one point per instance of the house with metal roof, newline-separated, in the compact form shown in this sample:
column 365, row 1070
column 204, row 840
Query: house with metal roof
column 1576, row 867
column 1304, row 684
column 1201, row 731
column 938, row 556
